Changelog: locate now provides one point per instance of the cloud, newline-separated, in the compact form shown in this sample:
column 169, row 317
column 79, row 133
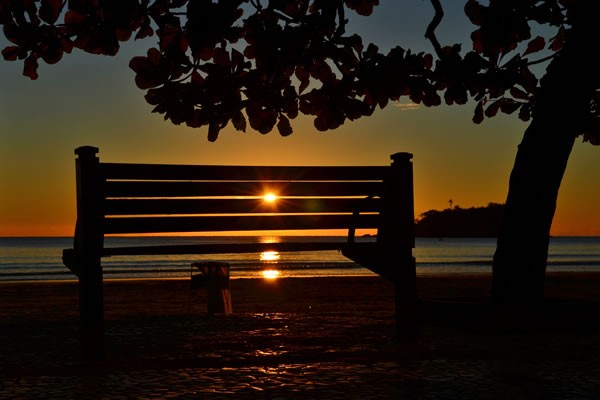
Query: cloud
column 406, row 106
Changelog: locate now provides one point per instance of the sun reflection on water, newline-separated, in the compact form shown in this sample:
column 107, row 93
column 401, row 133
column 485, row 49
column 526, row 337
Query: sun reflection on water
column 270, row 256
column 270, row 273
column 270, row 239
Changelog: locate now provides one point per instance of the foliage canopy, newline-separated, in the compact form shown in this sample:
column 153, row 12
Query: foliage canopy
column 264, row 62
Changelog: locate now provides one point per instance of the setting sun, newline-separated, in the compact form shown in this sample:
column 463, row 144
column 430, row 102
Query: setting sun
column 270, row 197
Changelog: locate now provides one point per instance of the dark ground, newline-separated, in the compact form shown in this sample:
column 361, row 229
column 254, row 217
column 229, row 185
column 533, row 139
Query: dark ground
column 325, row 338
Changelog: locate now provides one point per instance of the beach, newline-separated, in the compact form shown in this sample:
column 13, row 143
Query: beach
column 322, row 338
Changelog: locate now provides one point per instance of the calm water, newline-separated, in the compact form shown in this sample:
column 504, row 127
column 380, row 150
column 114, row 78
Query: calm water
column 40, row 258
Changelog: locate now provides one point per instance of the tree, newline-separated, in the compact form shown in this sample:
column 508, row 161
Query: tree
column 520, row 258
column 461, row 222
column 264, row 62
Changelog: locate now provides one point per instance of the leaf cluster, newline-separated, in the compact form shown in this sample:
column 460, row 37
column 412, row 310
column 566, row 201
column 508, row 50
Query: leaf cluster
column 503, row 45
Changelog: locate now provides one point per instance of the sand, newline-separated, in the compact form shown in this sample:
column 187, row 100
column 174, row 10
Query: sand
column 304, row 338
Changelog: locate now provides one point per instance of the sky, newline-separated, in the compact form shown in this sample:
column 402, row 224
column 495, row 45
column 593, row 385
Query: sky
column 93, row 100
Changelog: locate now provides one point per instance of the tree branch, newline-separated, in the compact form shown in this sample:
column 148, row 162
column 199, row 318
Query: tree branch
column 342, row 21
column 541, row 60
column 283, row 16
column 256, row 4
column 430, row 32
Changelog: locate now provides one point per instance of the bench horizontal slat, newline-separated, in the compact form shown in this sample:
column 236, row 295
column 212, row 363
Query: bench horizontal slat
column 227, row 172
column 211, row 189
column 234, row 206
column 234, row 223
column 225, row 248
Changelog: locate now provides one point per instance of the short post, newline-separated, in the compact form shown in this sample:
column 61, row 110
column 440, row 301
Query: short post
column 397, row 240
column 214, row 275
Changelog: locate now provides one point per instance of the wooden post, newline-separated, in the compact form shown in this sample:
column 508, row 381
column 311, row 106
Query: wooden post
column 88, row 247
column 215, row 277
column 397, row 239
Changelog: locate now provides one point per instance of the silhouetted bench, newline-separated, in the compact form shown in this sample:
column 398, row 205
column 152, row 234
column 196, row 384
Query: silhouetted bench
column 114, row 198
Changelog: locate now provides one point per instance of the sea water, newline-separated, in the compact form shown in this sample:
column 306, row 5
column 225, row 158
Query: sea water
column 40, row 258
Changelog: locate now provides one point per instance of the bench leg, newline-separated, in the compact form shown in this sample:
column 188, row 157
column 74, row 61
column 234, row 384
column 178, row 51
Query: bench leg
column 91, row 309
column 405, row 287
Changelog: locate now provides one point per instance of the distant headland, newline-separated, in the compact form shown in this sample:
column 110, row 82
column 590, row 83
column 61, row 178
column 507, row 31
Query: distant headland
column 461, row 222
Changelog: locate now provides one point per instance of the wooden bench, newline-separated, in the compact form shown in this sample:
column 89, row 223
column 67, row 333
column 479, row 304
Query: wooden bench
column 115, row 198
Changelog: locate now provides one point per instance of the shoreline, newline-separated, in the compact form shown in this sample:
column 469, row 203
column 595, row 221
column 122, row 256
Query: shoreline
column 426, row 274
column 51, row 299
column 423, row 271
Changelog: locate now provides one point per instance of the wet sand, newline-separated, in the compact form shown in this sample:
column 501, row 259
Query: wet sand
column 304, row 338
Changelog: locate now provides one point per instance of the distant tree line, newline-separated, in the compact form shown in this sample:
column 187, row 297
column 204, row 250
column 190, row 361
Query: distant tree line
column 461, row 222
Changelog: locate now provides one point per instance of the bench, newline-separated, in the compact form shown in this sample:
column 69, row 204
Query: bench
column 119, row 198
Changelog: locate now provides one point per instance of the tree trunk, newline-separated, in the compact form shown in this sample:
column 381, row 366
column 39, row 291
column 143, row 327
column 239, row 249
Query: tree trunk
column 562, row 106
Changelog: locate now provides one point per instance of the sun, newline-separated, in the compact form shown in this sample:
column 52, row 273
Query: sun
column 270, row 197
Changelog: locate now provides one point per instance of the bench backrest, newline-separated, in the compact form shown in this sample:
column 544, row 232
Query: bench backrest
column 151, row 198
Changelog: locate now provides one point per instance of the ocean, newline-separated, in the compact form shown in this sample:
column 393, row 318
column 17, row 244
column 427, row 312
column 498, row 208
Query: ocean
column 39, row 258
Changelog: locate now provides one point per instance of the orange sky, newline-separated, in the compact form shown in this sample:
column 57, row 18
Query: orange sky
column 90, row 100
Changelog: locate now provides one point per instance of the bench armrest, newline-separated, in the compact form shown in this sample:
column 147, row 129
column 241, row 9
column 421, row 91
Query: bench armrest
column 355, row 214
column 69, row 259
